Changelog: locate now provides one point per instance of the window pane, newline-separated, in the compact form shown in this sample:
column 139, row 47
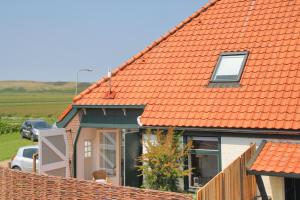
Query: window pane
column 87, row 149
column 229, row 68
column 230, row 65
column 28, row 153
column 204, row 168
column 205, row 143
column 211, row 145
column 40, row 125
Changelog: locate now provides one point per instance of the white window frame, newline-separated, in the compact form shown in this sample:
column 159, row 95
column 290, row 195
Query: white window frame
column 87, row 148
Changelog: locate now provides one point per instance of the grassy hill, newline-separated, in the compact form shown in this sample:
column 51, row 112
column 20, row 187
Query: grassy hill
column 34, row 86
column 36, row 99
column 20, row 100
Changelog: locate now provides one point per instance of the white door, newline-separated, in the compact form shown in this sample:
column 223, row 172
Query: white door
column 53, row 152
column 110, row 155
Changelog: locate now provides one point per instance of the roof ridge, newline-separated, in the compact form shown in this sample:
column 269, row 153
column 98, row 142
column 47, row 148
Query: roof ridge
column 148, row 48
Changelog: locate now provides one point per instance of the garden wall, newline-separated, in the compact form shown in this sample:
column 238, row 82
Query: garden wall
column 21, row 186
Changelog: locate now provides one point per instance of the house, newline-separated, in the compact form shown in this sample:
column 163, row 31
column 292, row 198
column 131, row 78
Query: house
column 228, row 76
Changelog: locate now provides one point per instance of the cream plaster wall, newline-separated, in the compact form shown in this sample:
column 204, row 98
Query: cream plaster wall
column 93, row 134
column 86, row 134
column 275, row 187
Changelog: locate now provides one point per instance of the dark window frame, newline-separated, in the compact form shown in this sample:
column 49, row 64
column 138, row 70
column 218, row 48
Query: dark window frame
column 244, row 53
column 216, row 152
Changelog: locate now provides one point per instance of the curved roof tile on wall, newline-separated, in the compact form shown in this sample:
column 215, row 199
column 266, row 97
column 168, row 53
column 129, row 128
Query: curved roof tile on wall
column 171, row 76
column 277, row 157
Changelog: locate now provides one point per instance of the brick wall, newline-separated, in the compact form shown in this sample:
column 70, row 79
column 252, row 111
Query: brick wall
column 22, row 186
column 71, row 129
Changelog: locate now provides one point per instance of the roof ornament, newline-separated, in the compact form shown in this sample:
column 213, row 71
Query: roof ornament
column 109, row 79
column 109, row 94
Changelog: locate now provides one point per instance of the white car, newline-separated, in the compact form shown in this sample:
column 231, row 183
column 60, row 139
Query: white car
column 23, row 160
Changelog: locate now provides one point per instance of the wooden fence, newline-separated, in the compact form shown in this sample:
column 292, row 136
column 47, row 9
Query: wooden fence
column 22, row 186
column 232, row 183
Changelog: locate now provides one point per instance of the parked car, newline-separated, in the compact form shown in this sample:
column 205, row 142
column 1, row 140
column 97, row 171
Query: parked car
column 31, row 128
column 23, row 160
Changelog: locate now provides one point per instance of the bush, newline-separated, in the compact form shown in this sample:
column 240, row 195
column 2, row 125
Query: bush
column 163, row 162
column 9, row 125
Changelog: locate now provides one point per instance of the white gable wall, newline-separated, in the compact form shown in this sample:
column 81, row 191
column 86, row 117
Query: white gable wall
column 232, row 147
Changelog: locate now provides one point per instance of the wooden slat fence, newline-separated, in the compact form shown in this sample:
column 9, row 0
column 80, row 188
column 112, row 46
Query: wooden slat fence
column 232, row 183
column 22, row 186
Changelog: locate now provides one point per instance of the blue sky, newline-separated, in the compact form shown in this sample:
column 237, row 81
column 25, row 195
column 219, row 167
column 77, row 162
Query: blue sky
column 51, row 40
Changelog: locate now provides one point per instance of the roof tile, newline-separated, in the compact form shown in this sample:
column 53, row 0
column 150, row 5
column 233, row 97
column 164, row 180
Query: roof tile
column 172, row 75
column 278, row 157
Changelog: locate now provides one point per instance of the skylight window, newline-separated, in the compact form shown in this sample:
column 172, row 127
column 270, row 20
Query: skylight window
column 229, row 67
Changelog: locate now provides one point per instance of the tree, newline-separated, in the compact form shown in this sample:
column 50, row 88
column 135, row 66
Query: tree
column 164, row 161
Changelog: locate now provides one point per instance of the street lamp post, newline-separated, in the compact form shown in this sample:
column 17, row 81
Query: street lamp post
column 80, row 70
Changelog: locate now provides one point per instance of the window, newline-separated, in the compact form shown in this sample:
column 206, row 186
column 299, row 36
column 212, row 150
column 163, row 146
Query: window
column 87, row 149
column 205, row 143
column 28, row 153
column 40, row 125
column 229, row 67
column 27, row 124
column 204, row 160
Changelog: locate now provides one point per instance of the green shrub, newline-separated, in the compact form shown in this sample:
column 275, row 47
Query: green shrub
column 9, row 125
column 163, row 163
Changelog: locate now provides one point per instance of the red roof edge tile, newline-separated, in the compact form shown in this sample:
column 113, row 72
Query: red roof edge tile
column 64, row 113
column 151, row 46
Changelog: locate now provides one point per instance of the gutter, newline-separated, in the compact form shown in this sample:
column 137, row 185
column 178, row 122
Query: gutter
column 233, row 131
column 75, row 153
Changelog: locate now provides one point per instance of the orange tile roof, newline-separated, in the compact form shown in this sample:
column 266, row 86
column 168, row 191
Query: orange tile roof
column 171, row 76
column 64, row 113
column 277, row 157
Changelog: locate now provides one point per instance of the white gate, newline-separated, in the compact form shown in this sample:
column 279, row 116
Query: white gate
column 53, row 153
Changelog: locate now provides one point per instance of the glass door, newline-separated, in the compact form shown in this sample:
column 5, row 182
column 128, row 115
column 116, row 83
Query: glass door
column 109, row 160
column 204, row 160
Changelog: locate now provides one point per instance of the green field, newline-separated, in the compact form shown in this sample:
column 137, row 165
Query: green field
column 10, row 143
column 33, row 104
column 36, row 99
column 21, row 100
